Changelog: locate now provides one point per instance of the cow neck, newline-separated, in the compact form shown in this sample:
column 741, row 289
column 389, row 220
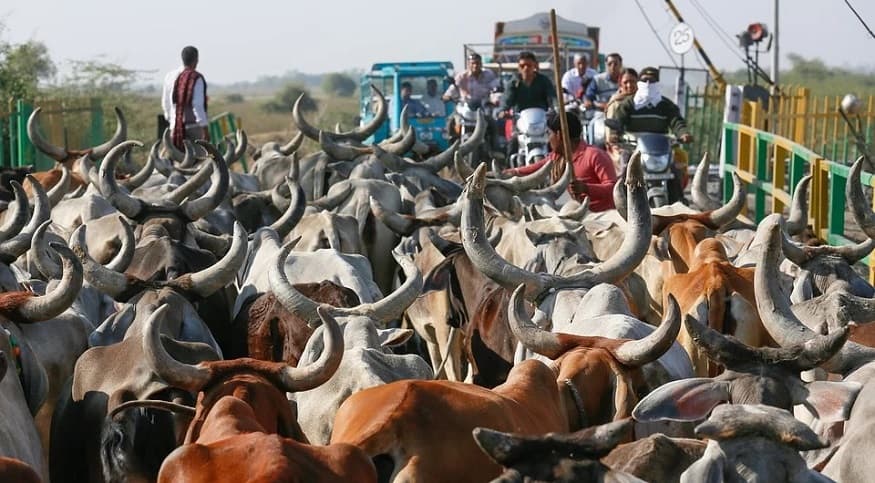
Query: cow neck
column 578, row 405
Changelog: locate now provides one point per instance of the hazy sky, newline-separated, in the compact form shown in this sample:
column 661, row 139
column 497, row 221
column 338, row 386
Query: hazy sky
column 242, row 40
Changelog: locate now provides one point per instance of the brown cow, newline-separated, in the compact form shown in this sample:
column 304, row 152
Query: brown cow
column 421, row 430
column 244, row 429
column 18, row 471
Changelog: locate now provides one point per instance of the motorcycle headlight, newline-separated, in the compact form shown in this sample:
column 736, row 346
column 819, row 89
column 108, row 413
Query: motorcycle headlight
column 655, row 163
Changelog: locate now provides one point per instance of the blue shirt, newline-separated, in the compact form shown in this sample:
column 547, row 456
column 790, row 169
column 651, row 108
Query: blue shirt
column 414, row 107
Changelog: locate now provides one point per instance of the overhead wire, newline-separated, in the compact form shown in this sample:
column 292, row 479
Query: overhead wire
column 848, row 3
column 721, row 34
column 656, row 34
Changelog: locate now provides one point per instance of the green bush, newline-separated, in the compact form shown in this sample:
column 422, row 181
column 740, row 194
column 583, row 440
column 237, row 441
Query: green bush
column 338, row 84
column 234, row 98
column 286, row 97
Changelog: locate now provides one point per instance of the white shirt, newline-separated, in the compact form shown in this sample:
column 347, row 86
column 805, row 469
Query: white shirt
column 572, row 81
column 197, row 100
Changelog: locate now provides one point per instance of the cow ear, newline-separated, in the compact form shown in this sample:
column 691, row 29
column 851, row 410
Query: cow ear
column 438, row 278
column 393, row 337
column 685, row 400
column 830, row 401
column 707, row 469
column 534, row 237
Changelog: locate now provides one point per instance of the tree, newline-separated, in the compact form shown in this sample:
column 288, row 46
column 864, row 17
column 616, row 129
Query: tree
column 286, row 97
column 338, row 84
column 22, row 67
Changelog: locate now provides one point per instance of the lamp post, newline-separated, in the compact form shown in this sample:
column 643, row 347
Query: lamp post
column 851, row 105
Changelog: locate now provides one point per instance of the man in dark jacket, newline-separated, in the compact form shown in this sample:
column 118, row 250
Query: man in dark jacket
column 530, row 88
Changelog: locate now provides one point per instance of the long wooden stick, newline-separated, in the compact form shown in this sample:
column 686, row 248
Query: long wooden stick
column 563, row 122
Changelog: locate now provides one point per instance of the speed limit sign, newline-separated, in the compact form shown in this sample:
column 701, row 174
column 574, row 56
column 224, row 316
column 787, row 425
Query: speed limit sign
column 681, row 38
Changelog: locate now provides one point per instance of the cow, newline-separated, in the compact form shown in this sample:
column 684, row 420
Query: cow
column 12, row 469
column 754, row 442
column 560, row 458
column 391, row 422
column 25, row 385
column 752, row 375
column 243, row 428
column 118, row 343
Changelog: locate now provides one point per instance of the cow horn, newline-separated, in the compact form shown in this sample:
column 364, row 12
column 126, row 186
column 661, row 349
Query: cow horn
column 477, row 136
column 578, row 213
column 61, row 187
column 393, row 305
column 278, row 199
column 636, row 353
column 620, row 201
column 128, row 205
column 295, row 211
column 293, row 301
column 519, row 184
column 556, row 189
column 53, row 303
column 39, row 142
column 403, row 124
column 798, row 219
column 293, row 145
column 699, row 186
column 140, row 176
column 303, row 126
column 173, row 372
column 172, row 151
column 161, row 165
column 727, row 213
column 465, row 171
column 404, row 145
column 635, row 243
column 16, row 214
column 195, row 209
column 857, row 201
column 298, row 379
column 446, row 247
column 101, row 278
column 209, row 280
column 14, row 247
column 192, row 184
column 441, row 160
column 239, row 147
column 331, row 201
column 42, row 258
column 87, row 171
column 390, row 161
column 125, row 254
column 340, row 152
column 531, row 336
column 479, row 251
column 363, row 132
column 121, row 133
column 774, row 309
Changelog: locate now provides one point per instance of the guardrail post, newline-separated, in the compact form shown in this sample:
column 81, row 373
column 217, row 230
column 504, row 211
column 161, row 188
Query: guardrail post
column 23, row 146
column 761, row 164
column 837, row 183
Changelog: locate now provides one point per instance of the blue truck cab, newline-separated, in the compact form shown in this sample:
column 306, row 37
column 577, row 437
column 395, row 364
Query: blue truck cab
column 388, row 77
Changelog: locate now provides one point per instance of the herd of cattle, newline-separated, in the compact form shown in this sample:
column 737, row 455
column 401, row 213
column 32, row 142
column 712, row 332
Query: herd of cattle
column 358, row 315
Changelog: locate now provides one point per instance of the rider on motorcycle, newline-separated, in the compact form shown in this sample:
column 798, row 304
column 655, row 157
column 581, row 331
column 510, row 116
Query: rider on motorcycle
column 528, row 89
column 594, row 174
column 649, row 111
column 473, row 87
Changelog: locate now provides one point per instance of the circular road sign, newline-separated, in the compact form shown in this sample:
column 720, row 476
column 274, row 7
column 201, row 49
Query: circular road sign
column 681, row 38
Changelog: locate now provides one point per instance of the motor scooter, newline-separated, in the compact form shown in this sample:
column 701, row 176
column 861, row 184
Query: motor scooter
column 531, row 136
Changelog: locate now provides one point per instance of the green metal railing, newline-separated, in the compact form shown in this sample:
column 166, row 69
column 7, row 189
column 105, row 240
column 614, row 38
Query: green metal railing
column 222, row 125
column 773, row 165
column 16, row 149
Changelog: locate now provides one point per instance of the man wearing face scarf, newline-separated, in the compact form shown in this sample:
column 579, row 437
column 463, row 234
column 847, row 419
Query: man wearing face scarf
column 649, row 111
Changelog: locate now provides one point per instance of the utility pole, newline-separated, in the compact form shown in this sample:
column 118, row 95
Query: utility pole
column 775, row 50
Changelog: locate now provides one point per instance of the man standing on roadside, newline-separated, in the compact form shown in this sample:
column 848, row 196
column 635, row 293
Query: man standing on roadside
column 184, row 100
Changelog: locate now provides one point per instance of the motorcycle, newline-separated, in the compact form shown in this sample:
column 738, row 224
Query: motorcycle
column 531, row 136
column 466, row 115
column 657, row 159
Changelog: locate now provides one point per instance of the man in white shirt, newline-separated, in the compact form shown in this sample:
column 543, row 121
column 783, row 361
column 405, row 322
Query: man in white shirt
column 575, row 81
column 432, row 101
column 184, row 100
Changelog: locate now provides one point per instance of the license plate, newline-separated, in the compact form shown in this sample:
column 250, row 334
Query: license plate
column 662, row 176
column 425, row 120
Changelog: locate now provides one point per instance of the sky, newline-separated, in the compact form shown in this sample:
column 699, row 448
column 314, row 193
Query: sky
column 245, row 40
